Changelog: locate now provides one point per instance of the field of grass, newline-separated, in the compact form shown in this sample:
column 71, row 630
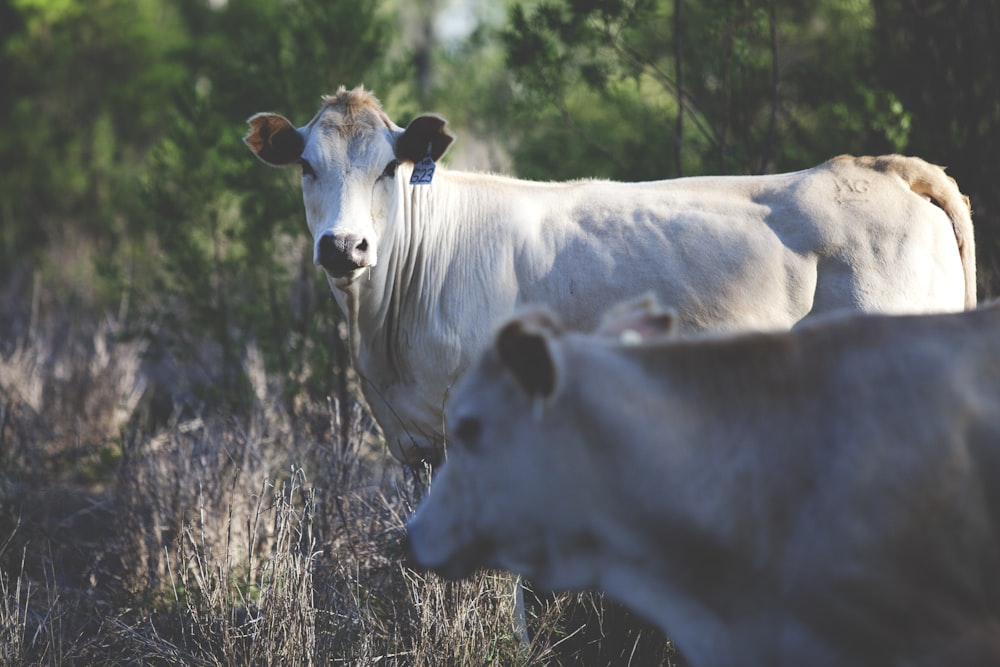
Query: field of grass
column 271, row 538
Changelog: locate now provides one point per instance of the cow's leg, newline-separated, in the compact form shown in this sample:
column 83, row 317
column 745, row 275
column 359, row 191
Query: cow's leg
column 588, row 629
column 520, row 612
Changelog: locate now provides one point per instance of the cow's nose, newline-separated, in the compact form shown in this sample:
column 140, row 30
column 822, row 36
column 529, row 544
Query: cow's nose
column 342, row 254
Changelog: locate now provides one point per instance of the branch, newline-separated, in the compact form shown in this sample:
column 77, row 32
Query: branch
column 679, row 77
column 772, row 121
column 685, row 101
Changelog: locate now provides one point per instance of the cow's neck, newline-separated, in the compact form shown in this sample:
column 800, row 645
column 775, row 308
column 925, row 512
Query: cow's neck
column 387, row 308
column 428, row 306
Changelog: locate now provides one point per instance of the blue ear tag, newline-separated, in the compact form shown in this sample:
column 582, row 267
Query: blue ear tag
column 423, row 171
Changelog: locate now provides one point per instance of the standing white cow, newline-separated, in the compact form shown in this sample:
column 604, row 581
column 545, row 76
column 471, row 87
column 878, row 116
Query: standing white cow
column 828, row 496
column 425, row 264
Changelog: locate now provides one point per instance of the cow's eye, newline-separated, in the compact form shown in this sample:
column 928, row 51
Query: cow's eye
column 307, row 169
column 467, row 432
column 390, row 169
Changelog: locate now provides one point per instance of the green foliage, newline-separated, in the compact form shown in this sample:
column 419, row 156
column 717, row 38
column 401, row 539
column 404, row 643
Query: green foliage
column 649, row 89
column 595, row 110
column 229, row 229
column 941, row 64
column 74, row 133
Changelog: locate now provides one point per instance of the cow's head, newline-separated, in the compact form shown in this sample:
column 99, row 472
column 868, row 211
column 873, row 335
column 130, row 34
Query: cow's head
column 348, row 153
column 520, row 488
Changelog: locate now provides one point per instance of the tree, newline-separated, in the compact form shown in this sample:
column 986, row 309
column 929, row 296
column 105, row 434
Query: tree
column 80, row 103
column 639, row 89
column 231, row 231
column 941, row 60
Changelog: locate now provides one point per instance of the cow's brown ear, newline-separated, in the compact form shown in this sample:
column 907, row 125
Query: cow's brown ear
column 274, row 139
column 638, row 320
column 524, row 348
column 425, row 136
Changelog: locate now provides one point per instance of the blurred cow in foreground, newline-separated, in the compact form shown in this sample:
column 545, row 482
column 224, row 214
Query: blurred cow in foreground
column 424, row 262
column 829, row 496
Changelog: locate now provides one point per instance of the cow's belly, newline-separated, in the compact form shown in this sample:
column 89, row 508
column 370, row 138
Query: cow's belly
column 773, row 290
column 714, row 276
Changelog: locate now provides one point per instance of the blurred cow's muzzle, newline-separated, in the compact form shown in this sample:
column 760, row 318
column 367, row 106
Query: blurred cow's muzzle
column 461, row 563
column 342, row 254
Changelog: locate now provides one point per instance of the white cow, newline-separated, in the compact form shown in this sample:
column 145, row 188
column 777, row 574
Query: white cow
column 827, row 496
column 424, row 271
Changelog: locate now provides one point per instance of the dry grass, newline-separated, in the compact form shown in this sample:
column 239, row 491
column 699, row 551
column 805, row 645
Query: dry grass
column 213, row 540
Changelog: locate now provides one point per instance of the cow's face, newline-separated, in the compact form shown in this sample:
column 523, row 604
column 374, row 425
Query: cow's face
column 523, row 487
column 348, row 154
column 486, row 507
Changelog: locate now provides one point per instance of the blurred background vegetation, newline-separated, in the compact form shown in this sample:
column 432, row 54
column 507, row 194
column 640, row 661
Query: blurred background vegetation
column 125, row 188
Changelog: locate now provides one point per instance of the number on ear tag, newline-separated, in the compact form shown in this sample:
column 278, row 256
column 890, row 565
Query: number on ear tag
column 423, row 171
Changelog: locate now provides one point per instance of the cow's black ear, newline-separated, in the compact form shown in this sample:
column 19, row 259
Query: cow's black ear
column 274, row 139
column 425, row 136
column 524, row 349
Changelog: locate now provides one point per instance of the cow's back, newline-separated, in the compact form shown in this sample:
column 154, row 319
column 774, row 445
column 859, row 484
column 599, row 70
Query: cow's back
column 750, row 252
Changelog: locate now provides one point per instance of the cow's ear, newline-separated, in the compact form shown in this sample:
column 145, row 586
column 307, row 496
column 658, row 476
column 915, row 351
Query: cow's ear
column 638, row 320
column 274, row 139
column 524, row 347
column 425, row 136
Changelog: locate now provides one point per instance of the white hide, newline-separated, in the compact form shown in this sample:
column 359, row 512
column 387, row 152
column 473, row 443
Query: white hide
column 821, row 497
column 448, row 260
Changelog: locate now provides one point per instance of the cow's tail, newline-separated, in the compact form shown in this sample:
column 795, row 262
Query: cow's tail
column 928, row 180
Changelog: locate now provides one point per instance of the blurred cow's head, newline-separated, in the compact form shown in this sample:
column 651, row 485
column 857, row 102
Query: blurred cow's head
column 523, row 481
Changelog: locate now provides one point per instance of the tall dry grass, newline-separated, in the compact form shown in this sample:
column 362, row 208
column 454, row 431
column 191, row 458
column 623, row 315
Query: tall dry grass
column 258, row 539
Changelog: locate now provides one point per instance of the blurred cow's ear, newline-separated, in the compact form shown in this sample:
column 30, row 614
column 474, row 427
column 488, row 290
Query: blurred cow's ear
column 425, row 136
column 524, row 347
column 274, row 139
column 638, row 320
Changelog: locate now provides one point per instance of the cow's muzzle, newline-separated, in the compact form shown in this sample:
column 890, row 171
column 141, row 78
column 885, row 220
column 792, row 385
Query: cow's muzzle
column 462, row 563
column 342, row 254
